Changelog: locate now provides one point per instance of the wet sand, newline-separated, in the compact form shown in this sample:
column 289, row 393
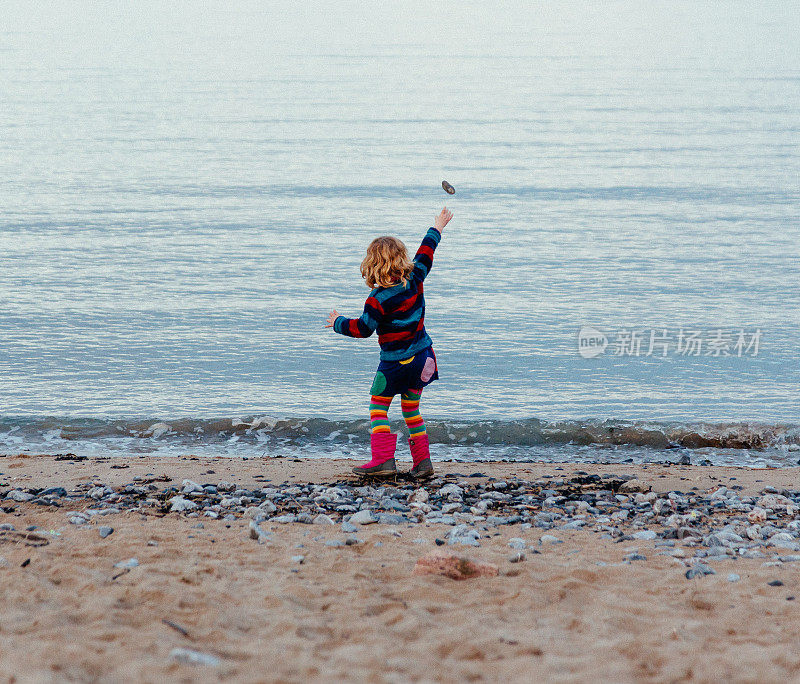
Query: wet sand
column 574, row 611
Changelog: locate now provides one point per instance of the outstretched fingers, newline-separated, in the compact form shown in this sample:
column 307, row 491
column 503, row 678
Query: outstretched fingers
column 443, row 218
column 332, row 316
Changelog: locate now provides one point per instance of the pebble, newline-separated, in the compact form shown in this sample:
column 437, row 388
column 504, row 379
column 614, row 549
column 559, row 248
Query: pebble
column 517, row 543
column 187, row 656
column 364, row 517
column 698, row 570
column 773, row 501
column 451, row 490
column 58, row 492
column 419, row 496
column 284, row 519
column 573, row 525
column 733, row 577
column 19, row 495
column 784, row 540
column 127, row 564
column 632, row 486
column 644, row 535
column 180, row 504
column 549, row 539
column 105, row 531
column 268, row 507
column 298, row 559
column 465, row 535
column 390, row 519
column 190, row 487
column 518, row 557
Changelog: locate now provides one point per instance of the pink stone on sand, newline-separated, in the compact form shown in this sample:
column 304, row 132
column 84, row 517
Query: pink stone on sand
column 455, row 567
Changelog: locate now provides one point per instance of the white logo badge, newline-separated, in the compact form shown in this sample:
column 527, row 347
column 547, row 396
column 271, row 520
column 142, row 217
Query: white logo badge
column 591, row 342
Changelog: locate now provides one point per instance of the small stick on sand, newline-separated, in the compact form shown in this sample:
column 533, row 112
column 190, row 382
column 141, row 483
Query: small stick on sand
column 181, row 630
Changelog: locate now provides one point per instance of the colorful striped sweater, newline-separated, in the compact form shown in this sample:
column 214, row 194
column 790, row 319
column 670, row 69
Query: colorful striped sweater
column 398, row 312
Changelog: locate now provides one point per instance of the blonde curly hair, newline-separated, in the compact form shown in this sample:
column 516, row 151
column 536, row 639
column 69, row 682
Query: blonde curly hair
column 386, row 263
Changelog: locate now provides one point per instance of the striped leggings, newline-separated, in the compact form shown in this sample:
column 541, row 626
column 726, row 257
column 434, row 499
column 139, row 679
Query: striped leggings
column 409, row 405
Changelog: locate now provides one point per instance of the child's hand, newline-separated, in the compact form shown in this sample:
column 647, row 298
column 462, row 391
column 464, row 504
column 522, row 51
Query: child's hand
column 443, row 219
column 332, row 316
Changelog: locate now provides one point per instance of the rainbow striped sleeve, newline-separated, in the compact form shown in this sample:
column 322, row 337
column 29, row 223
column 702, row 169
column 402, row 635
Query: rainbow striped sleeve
column 364, row 325
column 423, row 259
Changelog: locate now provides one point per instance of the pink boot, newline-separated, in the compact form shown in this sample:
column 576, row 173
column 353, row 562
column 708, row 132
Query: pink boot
column 422, row 467
column 382, row 464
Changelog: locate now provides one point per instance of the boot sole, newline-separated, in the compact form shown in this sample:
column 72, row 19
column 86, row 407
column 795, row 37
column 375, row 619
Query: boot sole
column 377, row 474
column 383, row 470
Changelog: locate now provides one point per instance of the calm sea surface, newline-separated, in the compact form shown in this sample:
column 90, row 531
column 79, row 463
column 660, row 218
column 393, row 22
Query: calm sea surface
column 186, row 191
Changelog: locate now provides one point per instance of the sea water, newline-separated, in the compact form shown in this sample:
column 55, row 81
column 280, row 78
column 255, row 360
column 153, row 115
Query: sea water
column 187, row 190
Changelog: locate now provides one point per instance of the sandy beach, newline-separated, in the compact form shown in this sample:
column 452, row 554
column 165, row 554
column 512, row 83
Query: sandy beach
column 588, row 607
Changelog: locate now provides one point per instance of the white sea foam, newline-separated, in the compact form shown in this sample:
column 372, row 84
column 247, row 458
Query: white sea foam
column 750, row 444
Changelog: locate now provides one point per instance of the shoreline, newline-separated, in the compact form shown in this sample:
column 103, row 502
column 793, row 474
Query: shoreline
column 48, row 468
column 616, row 572
column 477, row 439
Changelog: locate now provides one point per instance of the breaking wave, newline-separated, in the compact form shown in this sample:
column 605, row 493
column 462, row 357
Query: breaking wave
column 304, row 431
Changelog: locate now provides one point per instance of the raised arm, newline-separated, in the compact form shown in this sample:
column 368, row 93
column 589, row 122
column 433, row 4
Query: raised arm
column 423, row 259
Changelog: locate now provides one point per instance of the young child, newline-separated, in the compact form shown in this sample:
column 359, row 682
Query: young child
column 396, row 309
